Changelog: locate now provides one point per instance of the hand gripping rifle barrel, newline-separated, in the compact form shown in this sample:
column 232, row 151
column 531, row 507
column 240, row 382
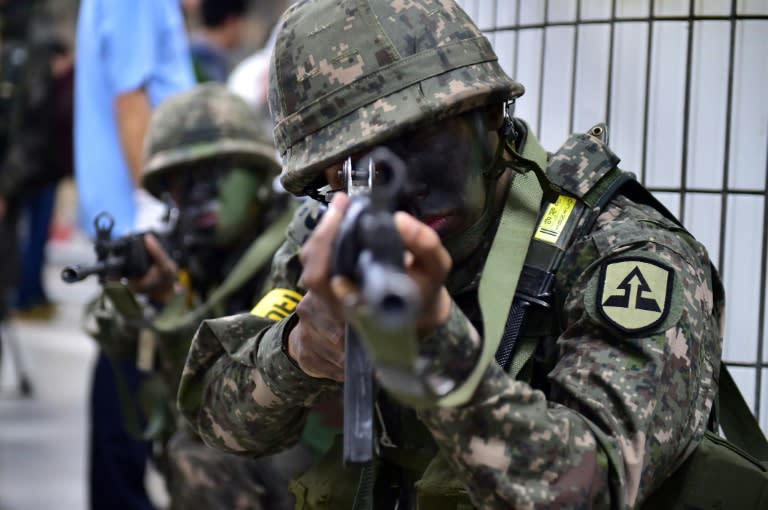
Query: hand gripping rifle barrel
column 369, row 251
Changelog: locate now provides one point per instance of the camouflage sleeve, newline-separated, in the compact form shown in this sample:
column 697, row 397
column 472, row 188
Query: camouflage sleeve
column 239, row 389
column 630, row 394
column 241, row 392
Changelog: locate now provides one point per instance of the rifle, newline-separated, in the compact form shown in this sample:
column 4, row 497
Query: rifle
column 126, row 256
column 370, row 252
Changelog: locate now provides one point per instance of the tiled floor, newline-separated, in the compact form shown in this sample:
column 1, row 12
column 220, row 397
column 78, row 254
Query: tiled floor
column 43, row 438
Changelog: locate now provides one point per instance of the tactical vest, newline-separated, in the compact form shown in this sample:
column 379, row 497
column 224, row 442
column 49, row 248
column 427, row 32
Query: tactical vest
column 718, row 474
column 118, row 322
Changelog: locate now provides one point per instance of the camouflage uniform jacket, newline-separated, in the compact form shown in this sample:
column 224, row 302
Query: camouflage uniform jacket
column 117, row 323
column 607, row 415
column 26, row 109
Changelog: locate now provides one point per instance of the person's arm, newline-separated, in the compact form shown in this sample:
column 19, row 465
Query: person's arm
column 239, row 390
column 129, row 51
column 132, row 112
column 623, row 409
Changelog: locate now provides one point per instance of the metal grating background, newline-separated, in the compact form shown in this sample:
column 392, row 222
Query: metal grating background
column 683, row 87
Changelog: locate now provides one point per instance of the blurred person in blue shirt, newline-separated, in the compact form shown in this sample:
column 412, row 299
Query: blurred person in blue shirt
column 131, row 55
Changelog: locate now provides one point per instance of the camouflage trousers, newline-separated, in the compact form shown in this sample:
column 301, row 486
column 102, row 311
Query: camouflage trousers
column 200, row 477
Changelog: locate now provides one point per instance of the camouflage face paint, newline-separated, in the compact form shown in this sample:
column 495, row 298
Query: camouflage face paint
column 446, row 188
column 241, row 198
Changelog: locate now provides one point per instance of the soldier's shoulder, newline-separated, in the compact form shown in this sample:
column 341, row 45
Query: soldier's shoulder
column 625, row 224
column 638, row 266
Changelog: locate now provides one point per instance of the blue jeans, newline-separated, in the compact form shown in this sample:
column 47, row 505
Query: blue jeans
column 117, row 460
column 36, row 217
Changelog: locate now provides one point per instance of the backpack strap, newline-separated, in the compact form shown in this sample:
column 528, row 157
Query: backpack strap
column 585, row 176
column 736, row 419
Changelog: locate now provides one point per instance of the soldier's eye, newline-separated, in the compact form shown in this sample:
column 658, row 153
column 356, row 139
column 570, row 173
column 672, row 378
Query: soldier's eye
column 334, row 176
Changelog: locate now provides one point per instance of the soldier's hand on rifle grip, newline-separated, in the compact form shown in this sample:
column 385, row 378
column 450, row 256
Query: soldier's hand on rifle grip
column 159, row 282
column 427, row 262
column 316, row 343
column 315, row 255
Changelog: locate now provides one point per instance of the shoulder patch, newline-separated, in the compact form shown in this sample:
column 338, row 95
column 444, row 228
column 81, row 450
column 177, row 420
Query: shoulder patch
column 634, row 294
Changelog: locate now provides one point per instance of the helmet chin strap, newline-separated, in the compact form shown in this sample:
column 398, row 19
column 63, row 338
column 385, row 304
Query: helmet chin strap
column 462, row 244
column 512, row 136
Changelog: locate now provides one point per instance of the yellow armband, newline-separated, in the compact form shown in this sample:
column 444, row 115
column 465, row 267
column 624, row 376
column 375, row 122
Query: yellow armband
column 277, row 304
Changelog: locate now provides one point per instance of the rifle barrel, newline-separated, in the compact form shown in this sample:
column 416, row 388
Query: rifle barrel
column 79, row 272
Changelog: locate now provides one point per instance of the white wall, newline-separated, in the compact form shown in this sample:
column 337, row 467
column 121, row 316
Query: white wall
column 683, row 85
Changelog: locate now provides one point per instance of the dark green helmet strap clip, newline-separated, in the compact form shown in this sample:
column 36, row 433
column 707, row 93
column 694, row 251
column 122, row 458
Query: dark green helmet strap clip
column 512, row 133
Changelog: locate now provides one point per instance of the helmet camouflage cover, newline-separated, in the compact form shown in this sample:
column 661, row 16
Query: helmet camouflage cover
column 347, row 74
column 205, row 122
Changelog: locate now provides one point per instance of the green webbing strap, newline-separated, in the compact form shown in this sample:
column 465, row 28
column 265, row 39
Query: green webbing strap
column 607, row 187
column 152, row 393
column 258, row 254
column 504, row 263
column 595, row 197
column 522, row 354
column 124, row 300
column 736, row 419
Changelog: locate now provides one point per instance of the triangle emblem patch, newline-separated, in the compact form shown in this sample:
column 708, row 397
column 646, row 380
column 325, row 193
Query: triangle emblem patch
column 634, row 293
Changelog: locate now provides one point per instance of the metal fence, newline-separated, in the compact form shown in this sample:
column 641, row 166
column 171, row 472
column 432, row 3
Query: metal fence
column 683, row 86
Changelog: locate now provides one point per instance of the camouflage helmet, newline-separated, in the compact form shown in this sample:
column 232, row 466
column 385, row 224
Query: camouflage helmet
column 205, row 122
column 347, row 74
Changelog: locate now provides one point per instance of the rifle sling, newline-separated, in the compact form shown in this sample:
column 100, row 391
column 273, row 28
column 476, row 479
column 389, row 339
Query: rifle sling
column 737, row 421
column 258, row 254
column 503, row 266
column 534, row 277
